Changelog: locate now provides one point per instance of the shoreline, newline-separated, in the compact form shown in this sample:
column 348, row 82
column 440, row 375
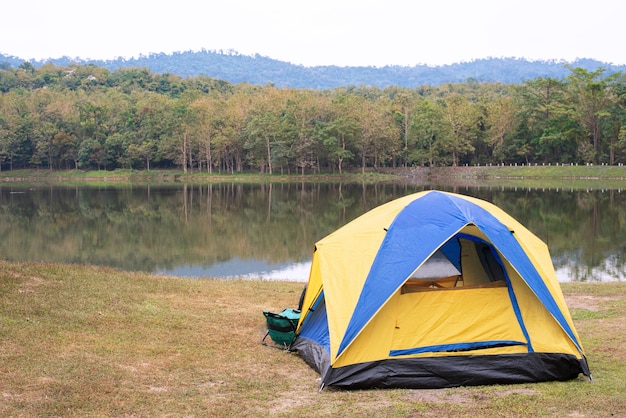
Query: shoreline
column 444, row 178
column 562, row 172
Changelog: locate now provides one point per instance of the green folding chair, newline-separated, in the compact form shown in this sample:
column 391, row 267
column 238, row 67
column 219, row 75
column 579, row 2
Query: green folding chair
column 281, row 327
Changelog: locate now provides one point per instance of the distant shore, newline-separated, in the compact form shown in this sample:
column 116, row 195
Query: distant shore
column 464, row 174
column 531, row 176
column 547, row 171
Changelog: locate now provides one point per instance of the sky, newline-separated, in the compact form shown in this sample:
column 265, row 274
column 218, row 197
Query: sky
column 321, row 32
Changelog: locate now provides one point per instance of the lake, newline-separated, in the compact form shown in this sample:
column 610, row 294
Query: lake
column 269, row 230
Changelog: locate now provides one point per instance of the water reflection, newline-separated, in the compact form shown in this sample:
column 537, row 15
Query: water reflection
column 268, row 230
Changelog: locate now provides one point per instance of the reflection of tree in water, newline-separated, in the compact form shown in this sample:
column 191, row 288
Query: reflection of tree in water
column 151, row 227
column 584, row 229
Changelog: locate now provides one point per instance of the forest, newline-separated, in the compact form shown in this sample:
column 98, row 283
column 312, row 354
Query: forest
column 89, row 117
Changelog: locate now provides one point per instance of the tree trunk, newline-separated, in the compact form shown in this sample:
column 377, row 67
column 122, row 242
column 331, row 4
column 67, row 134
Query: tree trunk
column 209, row 167
column 184, row 152
column 363, row 160
column 269, row 155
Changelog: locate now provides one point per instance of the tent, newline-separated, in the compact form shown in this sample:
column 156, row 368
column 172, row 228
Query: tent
column 435, row 290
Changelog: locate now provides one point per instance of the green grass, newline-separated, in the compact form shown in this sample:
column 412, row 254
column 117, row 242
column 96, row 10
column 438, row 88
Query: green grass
column 528, row 176
column 100, row 177
column 533, row 177
column 82, row 341
column 539, row 171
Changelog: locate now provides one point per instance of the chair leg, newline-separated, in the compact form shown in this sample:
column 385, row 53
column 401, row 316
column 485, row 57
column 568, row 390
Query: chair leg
column 263, row 340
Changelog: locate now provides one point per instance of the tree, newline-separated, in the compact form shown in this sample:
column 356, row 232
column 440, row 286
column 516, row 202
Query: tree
column 338, row 132
column 262, row 132
column 91, row 153
column 338, row 136
column 303, row 112
column 426, row 133
column 92, row 129
column 378, row 137
column 616, row 126
column 153, row 120
column 229, row 145
column 540, row 115
column 18, row 126
column 462, row 120
column 500, row 115
column 183, row 121
column 130, row 79
column 264, row 129
column 591, row 97
column 209, row 117
column 402, row 106
column 66, row 148
column 55, row 112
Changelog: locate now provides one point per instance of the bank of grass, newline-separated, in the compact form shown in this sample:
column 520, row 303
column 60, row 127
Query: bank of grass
column 579, row 177
column 526, row 176
column 553, row 171
column 121, row 176
column 81, row 341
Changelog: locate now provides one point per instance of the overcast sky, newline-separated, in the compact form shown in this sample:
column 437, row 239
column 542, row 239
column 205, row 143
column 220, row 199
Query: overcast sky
column 320, row 32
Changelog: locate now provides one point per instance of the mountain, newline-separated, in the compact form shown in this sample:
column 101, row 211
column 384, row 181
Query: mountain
column 255, row 69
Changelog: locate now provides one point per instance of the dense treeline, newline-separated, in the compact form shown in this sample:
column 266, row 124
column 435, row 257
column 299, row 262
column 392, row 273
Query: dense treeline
column 85, row 116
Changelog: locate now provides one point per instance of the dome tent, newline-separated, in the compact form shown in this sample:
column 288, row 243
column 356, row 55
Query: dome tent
column 435, row 290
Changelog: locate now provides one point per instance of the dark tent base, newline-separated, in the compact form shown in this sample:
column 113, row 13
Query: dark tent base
column 444, row 372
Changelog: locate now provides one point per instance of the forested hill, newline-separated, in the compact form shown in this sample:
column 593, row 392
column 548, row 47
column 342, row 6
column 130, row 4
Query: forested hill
column 236, row 68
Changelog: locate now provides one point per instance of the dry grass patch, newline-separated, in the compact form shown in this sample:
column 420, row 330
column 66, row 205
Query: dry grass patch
column 589, row 302
column 464, row 396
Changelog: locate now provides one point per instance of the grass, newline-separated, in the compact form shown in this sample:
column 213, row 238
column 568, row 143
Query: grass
column 101, row 177
column 543, row 171
column 538, row 177
column 527, row 176
column 84, row 341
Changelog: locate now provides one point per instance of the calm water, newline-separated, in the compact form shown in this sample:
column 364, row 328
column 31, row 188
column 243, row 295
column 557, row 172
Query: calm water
column 233, row 230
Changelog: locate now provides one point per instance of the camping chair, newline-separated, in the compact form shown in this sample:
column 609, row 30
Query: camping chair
column 281, row 327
